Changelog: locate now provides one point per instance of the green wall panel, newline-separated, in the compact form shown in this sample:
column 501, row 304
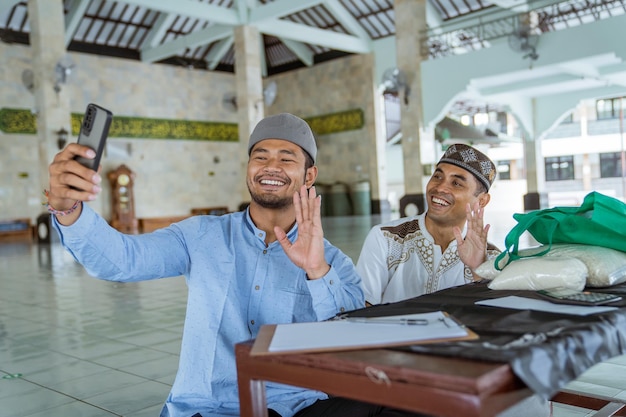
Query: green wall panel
column 24, row 122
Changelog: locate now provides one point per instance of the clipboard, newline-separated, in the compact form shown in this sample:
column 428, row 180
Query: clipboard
column 341, row 335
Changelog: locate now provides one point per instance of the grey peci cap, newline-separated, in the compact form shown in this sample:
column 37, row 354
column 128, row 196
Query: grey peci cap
column 285, row 126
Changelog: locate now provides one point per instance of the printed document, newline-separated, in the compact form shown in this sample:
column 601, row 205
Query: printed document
column 360, row 332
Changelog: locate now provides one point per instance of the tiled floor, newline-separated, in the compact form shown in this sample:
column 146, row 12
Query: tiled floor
column 71, row 345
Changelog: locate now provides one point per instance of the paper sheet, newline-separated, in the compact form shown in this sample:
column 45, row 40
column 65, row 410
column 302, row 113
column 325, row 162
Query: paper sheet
column 523, row 303
column 344, row 334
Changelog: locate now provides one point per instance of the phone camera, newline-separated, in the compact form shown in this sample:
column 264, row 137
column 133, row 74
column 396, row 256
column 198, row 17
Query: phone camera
column 88, row 121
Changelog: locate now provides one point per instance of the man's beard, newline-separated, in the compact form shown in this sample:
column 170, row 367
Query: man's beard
column 270, row 201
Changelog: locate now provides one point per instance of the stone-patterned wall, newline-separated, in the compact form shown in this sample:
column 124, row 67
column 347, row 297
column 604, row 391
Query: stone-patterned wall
column 19, row 194
column 332, row 87
column 173, row 176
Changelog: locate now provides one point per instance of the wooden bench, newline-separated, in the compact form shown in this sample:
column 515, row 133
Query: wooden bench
column 150, row 224
column 16, row 230
column 603, row 406
column 216, row 211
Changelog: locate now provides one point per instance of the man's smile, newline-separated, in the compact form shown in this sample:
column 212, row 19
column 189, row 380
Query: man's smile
column 439, row 201
column 276, row 183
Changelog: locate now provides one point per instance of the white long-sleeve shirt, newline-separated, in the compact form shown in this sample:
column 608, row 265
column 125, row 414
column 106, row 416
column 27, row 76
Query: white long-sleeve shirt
column 400, row 260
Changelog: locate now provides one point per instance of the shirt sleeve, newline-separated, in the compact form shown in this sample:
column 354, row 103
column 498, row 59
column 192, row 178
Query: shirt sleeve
column 372, row 266
column 108, row 254
column 340, row 289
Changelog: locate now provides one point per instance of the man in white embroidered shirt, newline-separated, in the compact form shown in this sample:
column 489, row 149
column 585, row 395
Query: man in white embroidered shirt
column 439, row 248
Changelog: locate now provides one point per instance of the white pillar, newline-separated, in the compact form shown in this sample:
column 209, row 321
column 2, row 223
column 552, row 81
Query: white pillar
column 249, row 82
column 47, row 40
column 410, row 23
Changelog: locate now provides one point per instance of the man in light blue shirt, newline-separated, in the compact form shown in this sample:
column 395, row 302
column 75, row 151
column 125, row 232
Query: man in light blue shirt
column 266, row 265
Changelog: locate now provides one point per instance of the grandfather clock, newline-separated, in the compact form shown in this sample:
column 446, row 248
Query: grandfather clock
column 123, row 201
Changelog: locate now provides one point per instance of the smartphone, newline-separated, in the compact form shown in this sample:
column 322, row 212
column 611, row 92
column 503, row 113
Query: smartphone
column 566, row 296
column 93, row 133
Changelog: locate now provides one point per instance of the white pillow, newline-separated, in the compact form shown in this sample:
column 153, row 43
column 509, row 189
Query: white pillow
column 605, row 266
column 542, row 273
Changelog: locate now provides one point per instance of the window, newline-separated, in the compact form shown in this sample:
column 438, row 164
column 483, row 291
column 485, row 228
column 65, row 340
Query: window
column 504, row 170
column 611, row 165
column 481, row 119
column 493, row 120
column 502, row 120
column 608, row 108
column 559, row 168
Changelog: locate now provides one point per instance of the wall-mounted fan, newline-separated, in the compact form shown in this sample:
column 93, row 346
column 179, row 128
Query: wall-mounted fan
column 522, row 40
column 394, row 81
column 62, row 70
column 269, row 96
column 28, row 80
column 229, row 101
column 269, row 93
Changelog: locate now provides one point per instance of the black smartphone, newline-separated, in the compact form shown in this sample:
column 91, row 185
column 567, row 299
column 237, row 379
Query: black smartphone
column 564, row 296
column 93, row 133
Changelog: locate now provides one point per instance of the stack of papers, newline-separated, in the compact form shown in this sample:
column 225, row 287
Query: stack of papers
column 360, row 333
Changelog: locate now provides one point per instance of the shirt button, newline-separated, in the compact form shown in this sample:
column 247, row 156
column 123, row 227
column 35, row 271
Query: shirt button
column 331, row 282
column 256, row 287
column 260, row 234
column 342, row 309
column 264, row 251
column 252, row 322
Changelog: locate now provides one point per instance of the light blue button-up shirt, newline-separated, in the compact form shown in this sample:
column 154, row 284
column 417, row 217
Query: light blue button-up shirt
column 235, row 283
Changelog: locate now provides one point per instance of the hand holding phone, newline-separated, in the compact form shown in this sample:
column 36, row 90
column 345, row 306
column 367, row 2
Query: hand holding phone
column 93, row 133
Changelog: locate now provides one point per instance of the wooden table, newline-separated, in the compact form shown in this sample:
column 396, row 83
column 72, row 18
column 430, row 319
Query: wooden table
column 446, row 387
column 448, row 380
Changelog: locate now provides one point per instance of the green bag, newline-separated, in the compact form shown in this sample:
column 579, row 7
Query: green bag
column 599, row 221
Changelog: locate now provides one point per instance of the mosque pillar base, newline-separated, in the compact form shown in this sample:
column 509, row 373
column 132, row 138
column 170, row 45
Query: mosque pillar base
column 381, row 207
column 535, row 201
column 412, row 204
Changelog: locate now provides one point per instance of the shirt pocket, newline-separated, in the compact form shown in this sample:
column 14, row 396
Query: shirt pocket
column 292, row 301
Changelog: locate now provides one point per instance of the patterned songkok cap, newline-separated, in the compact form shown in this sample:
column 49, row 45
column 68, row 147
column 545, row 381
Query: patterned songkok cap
column 472, row 160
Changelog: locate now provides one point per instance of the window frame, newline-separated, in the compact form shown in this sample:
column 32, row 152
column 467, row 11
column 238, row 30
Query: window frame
column 612, row 110
column 559, row 173
column 611, row 165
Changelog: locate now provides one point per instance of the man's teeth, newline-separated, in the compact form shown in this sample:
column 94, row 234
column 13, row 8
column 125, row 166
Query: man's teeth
column 272, row 182
column 440, row 201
